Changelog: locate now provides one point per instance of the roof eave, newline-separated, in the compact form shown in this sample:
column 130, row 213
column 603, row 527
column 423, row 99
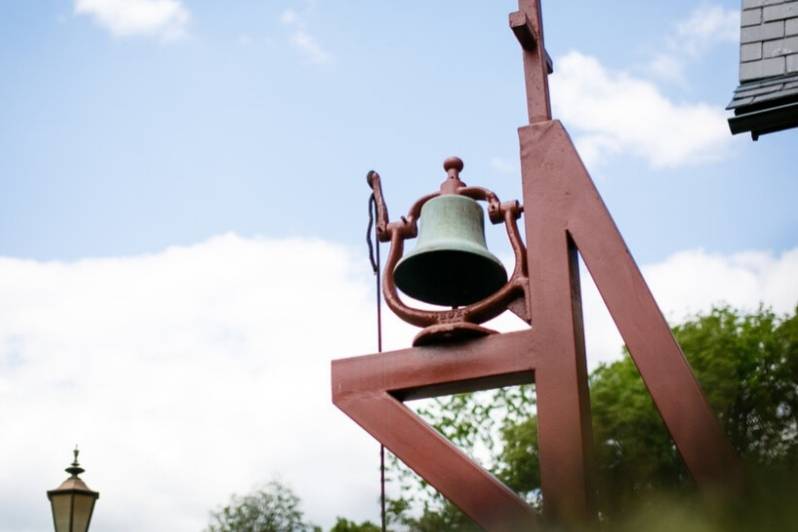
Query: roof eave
column 763, row 121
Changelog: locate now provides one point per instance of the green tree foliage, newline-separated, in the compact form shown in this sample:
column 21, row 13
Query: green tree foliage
column 345, row 525
column 439, row 517
column 747, row 365
column 272, row 508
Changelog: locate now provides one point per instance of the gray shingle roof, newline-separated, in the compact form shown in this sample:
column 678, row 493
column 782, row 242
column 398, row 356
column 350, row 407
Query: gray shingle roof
column 768, row 67
column 762, row 90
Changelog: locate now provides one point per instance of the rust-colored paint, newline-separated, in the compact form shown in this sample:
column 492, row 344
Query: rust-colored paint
column 370, row 390
column 563, row 215
column 563, row 205
column 529, row 19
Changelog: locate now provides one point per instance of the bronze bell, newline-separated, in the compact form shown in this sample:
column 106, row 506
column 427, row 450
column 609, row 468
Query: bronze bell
column 451, row 264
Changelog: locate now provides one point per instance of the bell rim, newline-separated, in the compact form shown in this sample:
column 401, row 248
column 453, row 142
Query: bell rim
column 497, row 272
column 472, row 272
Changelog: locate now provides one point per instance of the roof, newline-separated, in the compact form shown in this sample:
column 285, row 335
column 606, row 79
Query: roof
column 767, row 98
column 72, row 484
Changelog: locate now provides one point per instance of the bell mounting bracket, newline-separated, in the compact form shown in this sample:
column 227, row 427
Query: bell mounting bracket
column 460, row 322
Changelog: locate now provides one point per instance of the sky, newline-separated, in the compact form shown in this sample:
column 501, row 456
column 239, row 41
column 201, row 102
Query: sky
column 183, row 208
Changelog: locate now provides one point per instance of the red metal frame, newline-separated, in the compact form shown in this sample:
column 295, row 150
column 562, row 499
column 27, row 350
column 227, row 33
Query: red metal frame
column 563, row 215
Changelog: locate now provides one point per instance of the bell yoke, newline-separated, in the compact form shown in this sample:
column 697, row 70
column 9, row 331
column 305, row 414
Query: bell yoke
column 451, row 264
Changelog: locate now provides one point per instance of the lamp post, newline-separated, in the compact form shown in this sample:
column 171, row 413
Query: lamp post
column 72, row 502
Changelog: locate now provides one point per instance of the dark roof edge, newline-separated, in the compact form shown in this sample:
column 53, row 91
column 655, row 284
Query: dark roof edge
column 763, row 121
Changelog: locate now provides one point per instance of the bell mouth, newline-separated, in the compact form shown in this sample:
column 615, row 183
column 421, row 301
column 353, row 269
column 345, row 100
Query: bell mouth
column 449, row 277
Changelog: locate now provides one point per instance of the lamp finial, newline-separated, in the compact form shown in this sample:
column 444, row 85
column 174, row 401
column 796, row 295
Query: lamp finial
column 74, row 469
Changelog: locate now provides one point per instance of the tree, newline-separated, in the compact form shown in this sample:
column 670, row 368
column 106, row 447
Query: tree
column 747, row 365
column 345, row 525
column 272, row 508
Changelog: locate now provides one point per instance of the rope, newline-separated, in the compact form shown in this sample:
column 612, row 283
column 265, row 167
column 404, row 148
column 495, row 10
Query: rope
column 374, row 258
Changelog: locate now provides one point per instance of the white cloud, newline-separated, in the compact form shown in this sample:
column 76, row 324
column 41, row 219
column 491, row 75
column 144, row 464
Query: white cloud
column 616, row 112
column 691, row 38
column 668, row 67
column 303, row 40
column 185, row 376
column 167, row 19
column 693, row 281
column 192, row 373
column 706, row 25
column 613, row 112
column 310, row 46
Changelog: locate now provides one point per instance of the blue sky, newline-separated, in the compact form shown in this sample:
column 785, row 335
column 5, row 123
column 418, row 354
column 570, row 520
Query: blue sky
column 170, row 168
column 118, row 144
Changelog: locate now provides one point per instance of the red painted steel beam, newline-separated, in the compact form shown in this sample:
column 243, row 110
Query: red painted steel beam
column 523, row 31
column 559, row 199
column 368, row 389
column 536, row 66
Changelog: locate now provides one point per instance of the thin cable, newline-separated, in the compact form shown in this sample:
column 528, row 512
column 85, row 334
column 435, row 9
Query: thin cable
column 374, row 258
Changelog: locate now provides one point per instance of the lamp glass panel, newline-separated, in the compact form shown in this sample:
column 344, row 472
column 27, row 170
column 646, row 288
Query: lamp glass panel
column 62, row 509
column 84, row 503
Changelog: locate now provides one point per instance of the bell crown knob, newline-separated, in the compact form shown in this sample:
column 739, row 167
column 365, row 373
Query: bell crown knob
column 453, row 163
column 453, row 166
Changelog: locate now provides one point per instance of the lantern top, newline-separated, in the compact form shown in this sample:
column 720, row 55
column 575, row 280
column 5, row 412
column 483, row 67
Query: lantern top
column 74, row 468
column 73, row 483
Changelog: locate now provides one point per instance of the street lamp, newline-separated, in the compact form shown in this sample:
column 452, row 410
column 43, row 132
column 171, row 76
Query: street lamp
column 72, row 501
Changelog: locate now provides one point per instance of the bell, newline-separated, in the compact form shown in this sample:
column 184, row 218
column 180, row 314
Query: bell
column 451, row 264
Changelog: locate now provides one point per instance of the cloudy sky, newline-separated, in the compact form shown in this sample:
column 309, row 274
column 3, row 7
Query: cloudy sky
column 182, row 209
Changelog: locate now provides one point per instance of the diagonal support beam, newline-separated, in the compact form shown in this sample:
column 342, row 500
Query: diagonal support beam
column 560, row 197
column 369, row 389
